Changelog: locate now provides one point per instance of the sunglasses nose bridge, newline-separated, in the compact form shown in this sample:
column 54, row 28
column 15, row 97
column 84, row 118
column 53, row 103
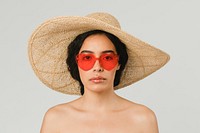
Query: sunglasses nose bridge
column 97, row 64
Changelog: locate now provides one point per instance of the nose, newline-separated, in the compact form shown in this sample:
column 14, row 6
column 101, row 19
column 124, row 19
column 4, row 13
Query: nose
column 97, row 66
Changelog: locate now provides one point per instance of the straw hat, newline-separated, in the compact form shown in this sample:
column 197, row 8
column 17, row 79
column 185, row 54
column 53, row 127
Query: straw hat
column 48, row 51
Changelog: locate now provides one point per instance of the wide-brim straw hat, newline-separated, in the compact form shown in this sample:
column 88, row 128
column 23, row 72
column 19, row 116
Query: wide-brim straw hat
column 48, row 51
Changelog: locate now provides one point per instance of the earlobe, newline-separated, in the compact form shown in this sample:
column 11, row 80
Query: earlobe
column 118, row 67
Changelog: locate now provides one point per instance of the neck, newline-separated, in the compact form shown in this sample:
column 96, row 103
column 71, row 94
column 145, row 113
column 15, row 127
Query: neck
column 99, row 101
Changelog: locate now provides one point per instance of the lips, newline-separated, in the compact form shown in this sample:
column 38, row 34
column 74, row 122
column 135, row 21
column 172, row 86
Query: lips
column 97, row 79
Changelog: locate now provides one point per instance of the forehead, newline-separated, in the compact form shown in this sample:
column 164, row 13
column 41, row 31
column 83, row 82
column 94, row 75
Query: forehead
column 98, row 43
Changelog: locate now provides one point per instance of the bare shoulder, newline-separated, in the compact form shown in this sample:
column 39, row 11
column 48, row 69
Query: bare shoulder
column 53, row 118
column 143, row 112
column 56, row 111
column 143, row 117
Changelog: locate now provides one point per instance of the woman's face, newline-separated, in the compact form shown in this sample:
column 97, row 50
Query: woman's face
column 98, row 73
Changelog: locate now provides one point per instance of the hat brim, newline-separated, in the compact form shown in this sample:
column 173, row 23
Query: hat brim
column 48, row 52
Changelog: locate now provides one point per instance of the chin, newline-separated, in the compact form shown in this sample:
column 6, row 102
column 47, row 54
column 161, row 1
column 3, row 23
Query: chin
column 98, row 88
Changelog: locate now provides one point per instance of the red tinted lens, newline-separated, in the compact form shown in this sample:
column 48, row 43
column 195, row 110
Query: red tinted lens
column 109, row 61
column 86, row 61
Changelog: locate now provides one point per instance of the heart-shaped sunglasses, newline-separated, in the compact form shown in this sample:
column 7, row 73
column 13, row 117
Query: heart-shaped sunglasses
column 107, row 60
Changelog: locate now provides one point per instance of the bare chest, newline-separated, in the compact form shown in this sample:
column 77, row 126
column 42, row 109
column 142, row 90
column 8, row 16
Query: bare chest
column 95, row 123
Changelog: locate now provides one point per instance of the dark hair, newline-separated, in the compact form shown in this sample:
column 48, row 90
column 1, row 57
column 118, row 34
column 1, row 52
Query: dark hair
column 75, row 46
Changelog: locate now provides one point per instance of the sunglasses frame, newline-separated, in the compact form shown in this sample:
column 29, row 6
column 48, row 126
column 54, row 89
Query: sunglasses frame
column 101, row 59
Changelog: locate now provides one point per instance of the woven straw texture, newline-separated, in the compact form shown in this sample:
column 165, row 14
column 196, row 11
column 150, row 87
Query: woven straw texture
column 48, row 51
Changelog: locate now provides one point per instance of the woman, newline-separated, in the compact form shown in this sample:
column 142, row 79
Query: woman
column 100, row 59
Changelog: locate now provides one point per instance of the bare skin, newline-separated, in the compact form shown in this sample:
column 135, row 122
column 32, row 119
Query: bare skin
column 99, row 110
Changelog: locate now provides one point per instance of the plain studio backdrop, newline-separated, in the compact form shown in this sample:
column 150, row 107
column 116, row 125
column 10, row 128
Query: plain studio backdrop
column 173, row 92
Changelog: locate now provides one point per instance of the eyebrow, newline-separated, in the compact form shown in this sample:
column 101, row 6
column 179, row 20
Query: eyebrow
column 106, row 51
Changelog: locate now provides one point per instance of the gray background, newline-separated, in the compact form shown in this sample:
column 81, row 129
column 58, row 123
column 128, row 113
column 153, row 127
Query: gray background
column 172, row 92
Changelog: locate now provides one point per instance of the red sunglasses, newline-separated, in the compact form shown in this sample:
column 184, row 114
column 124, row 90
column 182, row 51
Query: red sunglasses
column 107, row 60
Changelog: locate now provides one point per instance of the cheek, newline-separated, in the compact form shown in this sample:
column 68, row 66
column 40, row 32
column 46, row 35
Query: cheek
column 114, row 71
column 83, row 75
column 111, row 75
